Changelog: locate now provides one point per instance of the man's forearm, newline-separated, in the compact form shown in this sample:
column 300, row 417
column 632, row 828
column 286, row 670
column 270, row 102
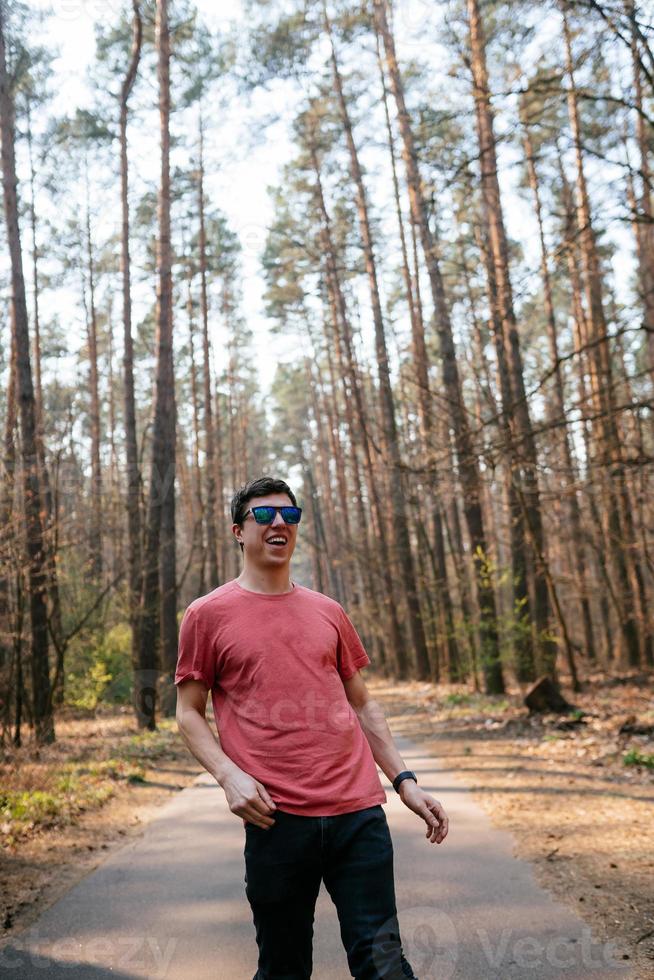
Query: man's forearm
column 204, row 745
column 375, row 728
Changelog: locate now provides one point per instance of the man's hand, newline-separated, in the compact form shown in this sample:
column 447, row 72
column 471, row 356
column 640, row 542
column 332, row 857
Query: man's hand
column 248, row 798
column 426, row 807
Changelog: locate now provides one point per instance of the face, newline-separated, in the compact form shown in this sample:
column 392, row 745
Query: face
column 262, row 542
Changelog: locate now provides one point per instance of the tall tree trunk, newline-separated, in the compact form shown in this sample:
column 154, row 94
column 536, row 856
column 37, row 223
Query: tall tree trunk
column 594, row 534
column 56, row 625
column 95, row 536
column 133, row 474
column 643, row 216
column 209, row 441
column 608, row 449
column 354, row 401
column 115, row 524
column 222, row 532
column 400, row 526
column 338, row 369
column 195, row 498
column 468, row 465
column 421, row 372
column 579, row 556
column 159, row 619
column 521, row 567
column 9, row 538
column 36, row 556
column 167, row 563
column 517, row 410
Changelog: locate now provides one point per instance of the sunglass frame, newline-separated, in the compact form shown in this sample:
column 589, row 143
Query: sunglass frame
column 280, row 510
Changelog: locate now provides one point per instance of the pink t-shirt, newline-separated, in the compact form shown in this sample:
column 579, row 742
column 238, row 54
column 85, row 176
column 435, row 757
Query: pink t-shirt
column 275, row 665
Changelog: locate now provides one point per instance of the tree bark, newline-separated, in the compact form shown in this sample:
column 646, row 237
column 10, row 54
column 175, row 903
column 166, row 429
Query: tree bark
column 133, row 474
column 643, row 216
column 209, row 444
column 400, row 526
column 607, row 444
column 165, row 439
column 159, row 618
column 468, row 466
column 36, row 557
column 421, row 379
column 354, row 400
column 97, row 502
column 49, row 516
column 569, row 467
column 517, row 410
column 193, row 496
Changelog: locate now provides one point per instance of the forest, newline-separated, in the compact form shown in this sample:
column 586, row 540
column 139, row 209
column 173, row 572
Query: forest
column 452, row 359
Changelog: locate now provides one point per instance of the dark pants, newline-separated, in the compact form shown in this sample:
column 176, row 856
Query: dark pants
column 353, row 854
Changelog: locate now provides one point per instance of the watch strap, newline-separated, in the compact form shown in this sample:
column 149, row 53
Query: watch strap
column 401, row 776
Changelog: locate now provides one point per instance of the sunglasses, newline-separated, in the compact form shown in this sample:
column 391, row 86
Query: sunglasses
column 266, row 515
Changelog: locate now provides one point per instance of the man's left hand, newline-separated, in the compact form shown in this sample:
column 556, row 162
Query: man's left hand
column 426, row 807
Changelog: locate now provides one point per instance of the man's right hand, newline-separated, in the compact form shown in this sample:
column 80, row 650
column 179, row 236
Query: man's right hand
column 248, row 798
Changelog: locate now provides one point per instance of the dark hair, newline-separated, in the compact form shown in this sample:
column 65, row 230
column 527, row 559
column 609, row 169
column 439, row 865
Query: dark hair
column 260, row 487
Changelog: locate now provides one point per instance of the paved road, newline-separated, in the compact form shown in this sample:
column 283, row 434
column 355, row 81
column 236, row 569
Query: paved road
column 171, row 905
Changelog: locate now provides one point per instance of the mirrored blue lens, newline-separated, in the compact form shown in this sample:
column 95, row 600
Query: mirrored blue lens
column 264, row 515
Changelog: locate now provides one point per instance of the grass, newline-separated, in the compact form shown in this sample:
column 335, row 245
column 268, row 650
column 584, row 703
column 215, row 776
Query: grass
column 636, row 758
column 456, row 698
column 152, row 745
column 72, row 788
column 482, row 704
column 41, row 793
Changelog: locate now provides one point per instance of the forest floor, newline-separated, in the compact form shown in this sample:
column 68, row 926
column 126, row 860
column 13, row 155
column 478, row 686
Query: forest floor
column 65, row 806
column 575, row 792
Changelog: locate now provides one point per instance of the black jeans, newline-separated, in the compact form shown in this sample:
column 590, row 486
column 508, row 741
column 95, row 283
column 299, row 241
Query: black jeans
column 353, row 854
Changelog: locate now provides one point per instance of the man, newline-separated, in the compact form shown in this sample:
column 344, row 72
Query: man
column 299, row 736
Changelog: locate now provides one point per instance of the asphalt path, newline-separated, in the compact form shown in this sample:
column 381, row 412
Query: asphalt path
column 171, row 905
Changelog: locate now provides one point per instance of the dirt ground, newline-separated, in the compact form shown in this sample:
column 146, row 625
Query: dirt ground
column 577, row 812
column 582, row 817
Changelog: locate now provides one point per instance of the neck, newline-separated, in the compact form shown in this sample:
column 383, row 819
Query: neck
column 273, row 581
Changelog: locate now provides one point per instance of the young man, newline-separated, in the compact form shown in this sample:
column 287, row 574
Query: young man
column 299, row 736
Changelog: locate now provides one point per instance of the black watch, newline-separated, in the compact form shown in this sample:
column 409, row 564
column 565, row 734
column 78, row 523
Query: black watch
column 406, row 774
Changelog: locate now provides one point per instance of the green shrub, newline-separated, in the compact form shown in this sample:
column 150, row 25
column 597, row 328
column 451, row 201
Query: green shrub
column 29, row 806
column 84, row 690
column 39, row 808
column 636, row 758
column 456, row 698
column 151, row 745
column 116, row 654
column 100, row 669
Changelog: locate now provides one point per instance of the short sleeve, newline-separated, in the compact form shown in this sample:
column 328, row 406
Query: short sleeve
column 350, row 654
column 195, row 659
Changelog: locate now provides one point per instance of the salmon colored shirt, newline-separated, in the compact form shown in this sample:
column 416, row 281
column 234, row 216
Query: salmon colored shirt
column 275, row 665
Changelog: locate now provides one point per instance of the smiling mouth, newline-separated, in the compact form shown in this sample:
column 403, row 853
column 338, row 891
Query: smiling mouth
column 277, row 542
